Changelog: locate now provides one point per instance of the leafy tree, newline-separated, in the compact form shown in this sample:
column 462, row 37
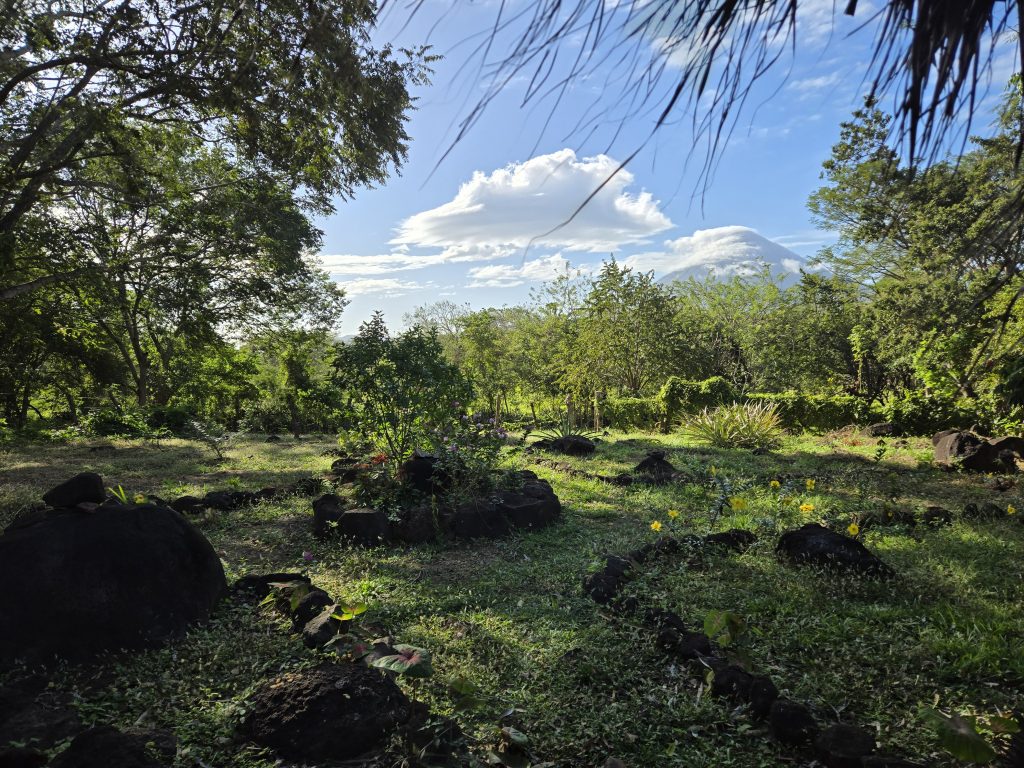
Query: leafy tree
column 938, row 251
column 625, row 337
column 289, row 91
column 402, row 387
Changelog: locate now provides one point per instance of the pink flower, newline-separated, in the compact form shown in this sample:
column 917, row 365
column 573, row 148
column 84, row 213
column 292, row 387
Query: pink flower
column 307, row 556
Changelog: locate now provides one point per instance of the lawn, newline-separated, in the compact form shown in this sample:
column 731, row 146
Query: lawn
column 582, row 683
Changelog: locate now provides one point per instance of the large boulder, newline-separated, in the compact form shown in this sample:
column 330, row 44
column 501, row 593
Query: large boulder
column 813, row 544
column 968, row 451
column 329, row 712
column 122, row 577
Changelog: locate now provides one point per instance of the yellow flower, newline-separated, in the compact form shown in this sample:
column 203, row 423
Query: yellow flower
column 806, row 507
column 810, row 483
column 737, row 504
column 656, row 525
column 140, row 498
column 774, row 484
column 714, row 470
column 673, row 513
column 853, row 528
column 1011, row 510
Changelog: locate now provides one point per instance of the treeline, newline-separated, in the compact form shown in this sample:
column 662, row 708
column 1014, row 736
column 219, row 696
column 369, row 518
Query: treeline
column 202, row 311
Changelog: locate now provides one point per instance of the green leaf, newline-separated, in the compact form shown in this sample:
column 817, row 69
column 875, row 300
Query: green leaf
column 959, row 737
column 409, row 661
column 724, row 627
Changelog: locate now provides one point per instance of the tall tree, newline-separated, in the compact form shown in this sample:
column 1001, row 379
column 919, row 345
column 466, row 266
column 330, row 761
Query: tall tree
column 293, row 91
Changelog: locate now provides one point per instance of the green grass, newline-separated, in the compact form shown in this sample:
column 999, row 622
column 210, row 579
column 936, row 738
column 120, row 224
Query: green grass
column 511, row 616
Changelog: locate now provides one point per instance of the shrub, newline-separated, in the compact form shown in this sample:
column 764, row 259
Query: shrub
column 632, row 412
column 173, row 418
column 738, row 425
column 917, row 412
column 819, row 413
column 106, row 422
column 679, row 397
column 401, row 387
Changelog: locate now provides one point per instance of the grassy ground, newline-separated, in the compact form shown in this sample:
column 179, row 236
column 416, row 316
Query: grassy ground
column 511, row 616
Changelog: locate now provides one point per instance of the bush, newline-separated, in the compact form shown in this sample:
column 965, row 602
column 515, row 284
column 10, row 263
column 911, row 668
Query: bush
column 173, row 418
column 402, row 387
column 679, row 397
column 916, row 412
column 818, row 413
column 632, row 412
column 266, row 416
column 106, row 422
column 739, row 425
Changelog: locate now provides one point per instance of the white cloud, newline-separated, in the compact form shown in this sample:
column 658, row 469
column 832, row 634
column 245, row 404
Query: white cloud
column 511, row 275
column 722, row 251
column 388, row 286
column 809, row 85
column 531, row 203
column 401, row 260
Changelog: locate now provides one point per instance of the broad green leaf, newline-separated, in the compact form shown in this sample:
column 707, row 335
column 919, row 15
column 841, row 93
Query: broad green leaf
column 959, row 737
column 409, row 661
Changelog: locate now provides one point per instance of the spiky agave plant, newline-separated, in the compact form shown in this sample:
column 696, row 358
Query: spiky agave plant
column 737, row 425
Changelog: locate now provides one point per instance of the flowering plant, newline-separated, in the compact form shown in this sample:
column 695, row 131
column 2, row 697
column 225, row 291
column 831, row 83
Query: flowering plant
column 467, row 451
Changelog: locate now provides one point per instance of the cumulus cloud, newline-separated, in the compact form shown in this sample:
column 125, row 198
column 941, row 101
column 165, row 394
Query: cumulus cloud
column 401, row 260
column 511, row 275
column 530, row 203
column 722, row 251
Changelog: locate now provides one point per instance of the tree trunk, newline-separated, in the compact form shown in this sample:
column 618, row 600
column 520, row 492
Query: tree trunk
column 293, row 409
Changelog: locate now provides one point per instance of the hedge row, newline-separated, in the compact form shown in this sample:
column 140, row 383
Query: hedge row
column 912, row 412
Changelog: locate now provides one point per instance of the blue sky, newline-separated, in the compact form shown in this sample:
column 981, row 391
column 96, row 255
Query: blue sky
column 458, row 228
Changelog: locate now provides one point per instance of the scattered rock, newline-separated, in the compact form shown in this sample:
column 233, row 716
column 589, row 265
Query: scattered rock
column 309, row 606
column 415, row 525
column 188, row 505
column 732, row 682
column 883, row 518
column 659, row 618
column 844, row 746
column 684, row 645
column 601, row 587
column 329, row 712
column 762, row 695
column 813, row 544
column 273, row 439
column 106, row 747
column 322, row 628
column 476, row 519
column 568, row 445
column 985, row 511
column 936, row 516
column 656, row 466
column 533, row 506
column 735, row 539
column 882, row 429
column 364, row 527
column 83, row 487
column 968, row 451
column 124, row 577
column 260, row 585
column 791, row 722
column 347, row 469
column 417, row 472
column 327, row 512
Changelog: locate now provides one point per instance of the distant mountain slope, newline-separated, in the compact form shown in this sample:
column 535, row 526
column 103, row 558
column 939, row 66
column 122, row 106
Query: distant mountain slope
column 726, row 252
